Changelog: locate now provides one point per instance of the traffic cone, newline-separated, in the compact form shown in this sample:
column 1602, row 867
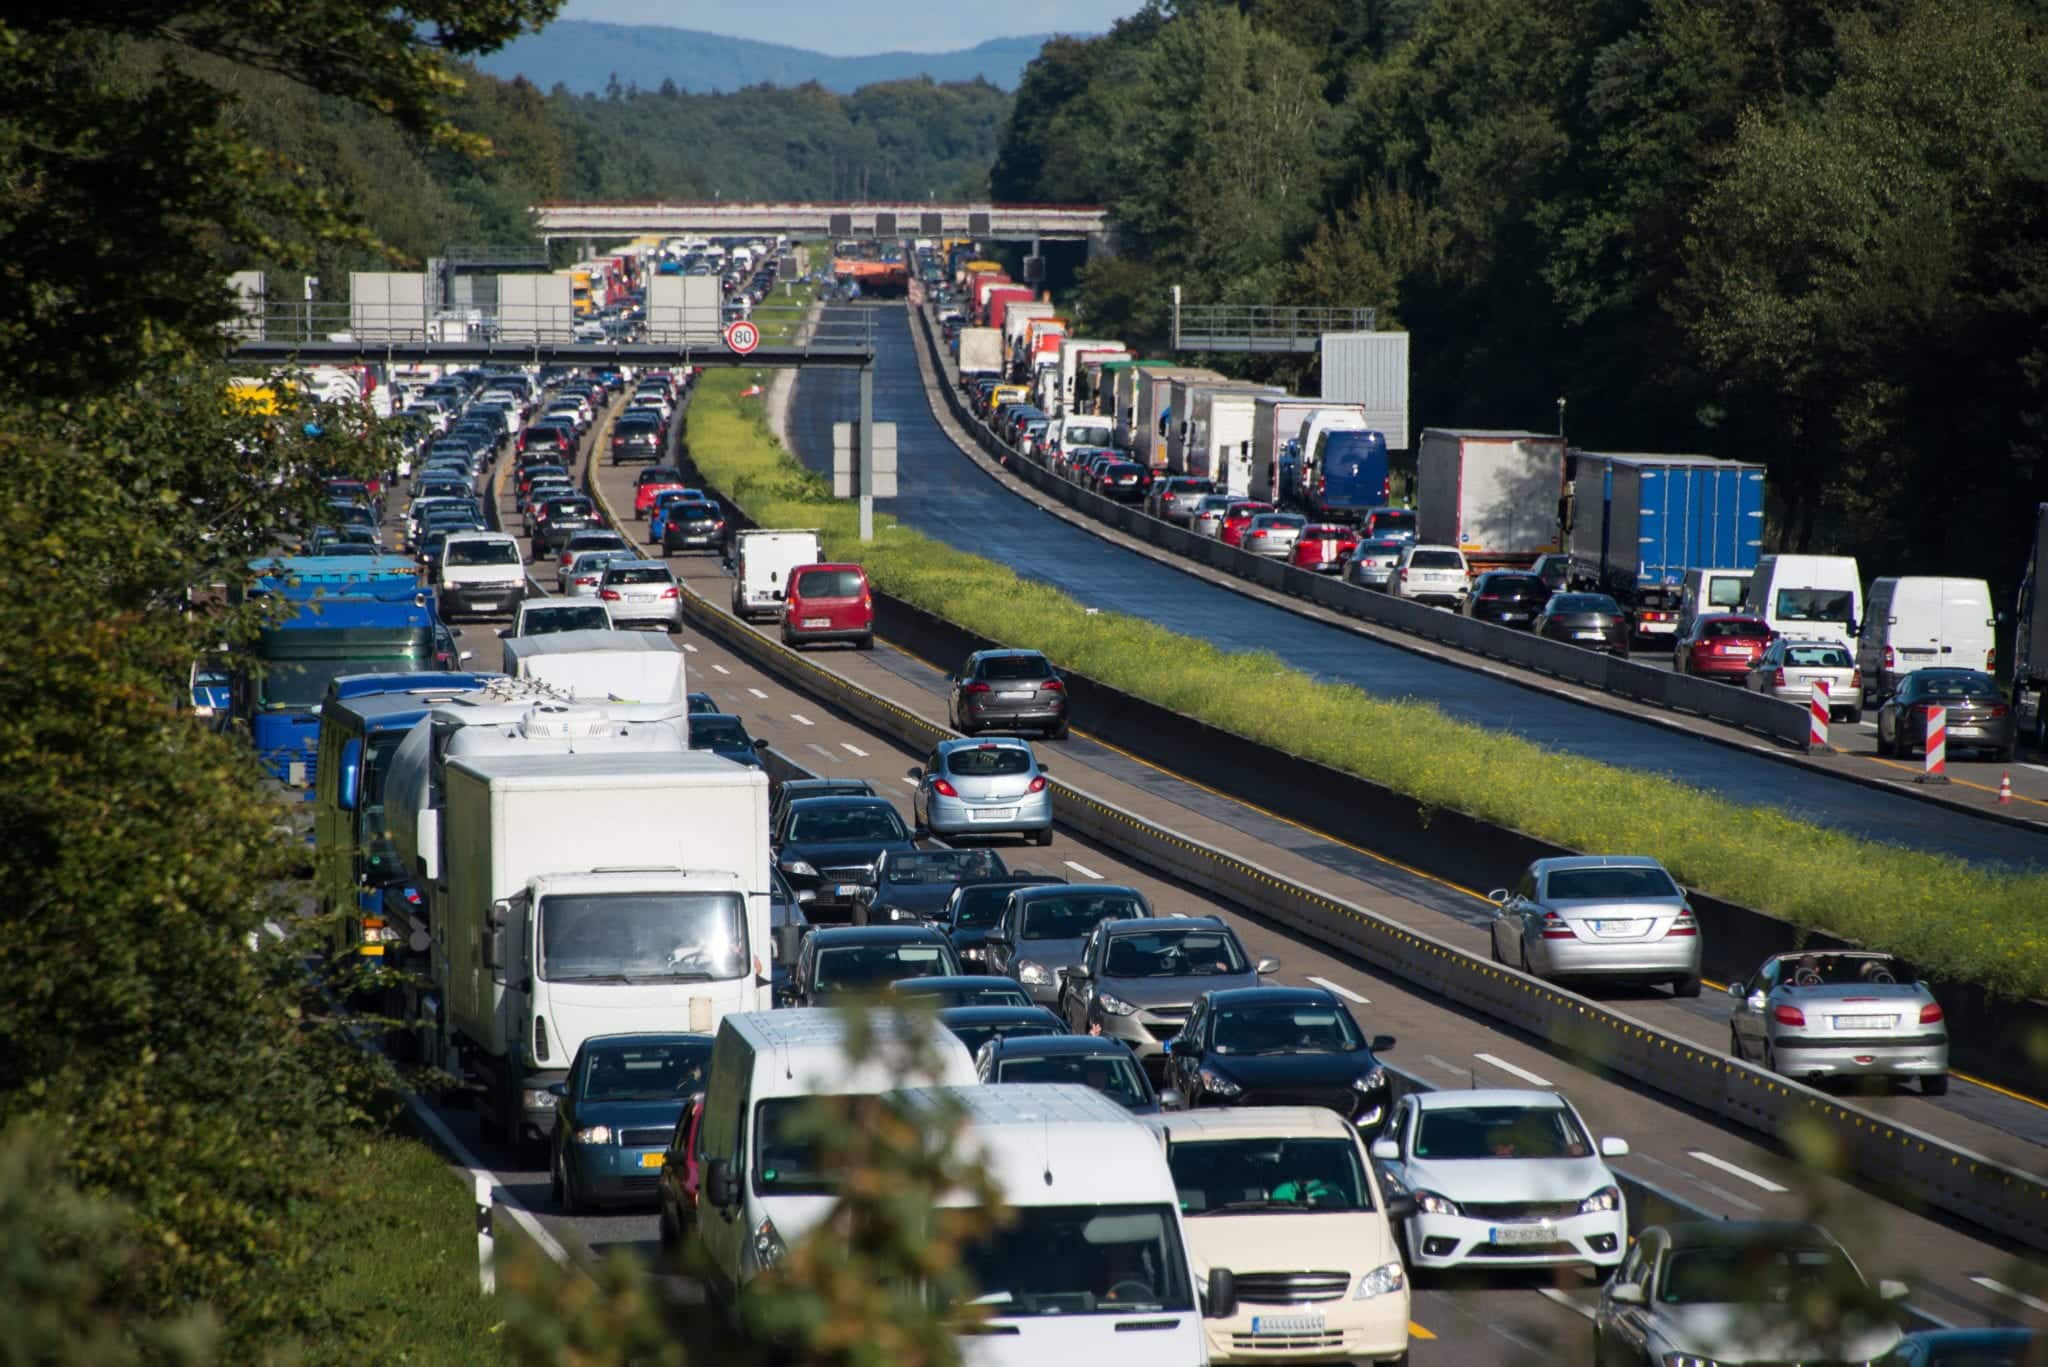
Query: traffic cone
column 2004, row 788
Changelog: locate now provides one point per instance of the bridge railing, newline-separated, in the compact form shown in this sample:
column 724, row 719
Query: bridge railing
column 1262, row 327
column 782, row 326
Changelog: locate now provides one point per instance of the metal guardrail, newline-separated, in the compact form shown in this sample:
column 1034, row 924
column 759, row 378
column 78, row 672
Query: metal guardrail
column 1262, row 327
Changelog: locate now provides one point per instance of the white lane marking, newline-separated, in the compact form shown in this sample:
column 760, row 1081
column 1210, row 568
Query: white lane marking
column 801, row 720
column 823, row 751
column 2041, row 768
column 692, row 649
column 533, row 1227
column 2034, row 1303
column 276, row 930
column 1512, row 1071
column 1732, row 1170
column 849, row 745
column 757, row 693
column 1553, row 1294
column 1447, row 1067
column 1083, row 870
column 721, row 669
column 1340, row 990
column 911, row 781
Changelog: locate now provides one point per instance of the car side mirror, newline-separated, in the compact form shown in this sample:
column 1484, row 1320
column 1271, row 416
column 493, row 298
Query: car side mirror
column 1626, row 1293
column 466, row 656
column 1499, row 896
column 1079, row 973
column 760, row 742
column 1382, row 1043
column 1265, row 966
column 1183, row 1047
column 915, row 771
column 494, row 947
column 995, row 937
column 1171, row 1100
column 1738, row 990
column 558, row 1089
column 719, row 1184
column 504, row 633
column 1221, row 1303
column 1613, row 1146
column 1386, row 1150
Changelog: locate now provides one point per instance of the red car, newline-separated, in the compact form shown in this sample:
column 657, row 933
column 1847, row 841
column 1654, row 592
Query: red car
column 652, row 481
column 828, row 603
column 1322, row 547
column 676, row 1196
column 1723, row 647
column 1238, row 518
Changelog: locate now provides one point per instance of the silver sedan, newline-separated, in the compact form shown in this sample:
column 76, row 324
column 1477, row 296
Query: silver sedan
column 984, row 787
column 1840, row 1013
column 1372, row 563
column 1273, row 534
column 1599, row 916
column 1205, row 518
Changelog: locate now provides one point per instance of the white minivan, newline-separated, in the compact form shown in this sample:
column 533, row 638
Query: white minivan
column 762, row 560
column 1807, row 595
column 762, row 1189
column 1707, row 592
column 1923, row 621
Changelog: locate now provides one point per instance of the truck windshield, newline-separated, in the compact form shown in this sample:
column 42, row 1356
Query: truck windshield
column 1081, row 1260
column 642, row 936
column 290, row 685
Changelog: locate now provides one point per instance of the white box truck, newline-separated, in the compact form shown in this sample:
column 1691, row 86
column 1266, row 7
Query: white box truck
column 1496, row 496
column 1221, row 424
column 1072, row 349
column 1185, row 408
column 602, row 666
column 589, row 894
column 981, row 352
column 1276, row 422
column 762, row 560
column 1015, row 317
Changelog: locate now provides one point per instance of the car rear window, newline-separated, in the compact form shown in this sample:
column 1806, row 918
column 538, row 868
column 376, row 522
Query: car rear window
column 569, row 507
column 1436, row 560
column 1624, row 884
column 1818, row 657
column 1585, row 602
column 1742, row 626
column 829, row 584
column 683, row 510
column 1516, row 584
column 638, row 574
column 1393, row 522
column 483, row 553
column 1014, row 667
column 868, row 821
column 1956, row 686
column 993, row 762
column 539, row 622
column 1070, row 916
column 1815, row 605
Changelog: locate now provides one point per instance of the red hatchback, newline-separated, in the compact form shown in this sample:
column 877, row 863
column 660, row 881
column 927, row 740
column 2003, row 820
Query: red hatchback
column 1723, row 647
column 1237, row 519
column 651, row 482
column 828, row 603
column 1322, row 547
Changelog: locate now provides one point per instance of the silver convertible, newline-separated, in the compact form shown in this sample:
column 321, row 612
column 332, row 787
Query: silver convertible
column 1840, row 1013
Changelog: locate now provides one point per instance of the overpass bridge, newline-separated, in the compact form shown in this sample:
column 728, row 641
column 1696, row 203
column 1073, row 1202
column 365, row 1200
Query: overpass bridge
column 910, row 218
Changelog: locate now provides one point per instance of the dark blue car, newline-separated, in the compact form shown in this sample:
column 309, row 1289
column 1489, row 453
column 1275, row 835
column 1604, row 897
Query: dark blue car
column 616, row 1112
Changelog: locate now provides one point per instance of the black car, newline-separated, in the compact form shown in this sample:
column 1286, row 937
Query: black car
column 726, row 736
column 830, row 845
column 1123, row 481
column 787, row 927
column 635, row 439
column 838, row 961
column 1593, row 621
column 1090, row 1060
column 914, row 885
column 793, row 789
column 1008, row 691
column 1279, row 1046
column 702, row 703
column 560, row 517
column 692, row 525
column 1509, row 597
column 965, row 989
column 975, row 1026
column 973, row 909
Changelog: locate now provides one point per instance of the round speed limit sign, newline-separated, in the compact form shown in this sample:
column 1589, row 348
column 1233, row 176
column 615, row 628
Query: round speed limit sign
column 742, row 336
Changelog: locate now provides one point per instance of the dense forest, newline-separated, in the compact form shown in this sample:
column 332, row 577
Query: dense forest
column 1800, row 232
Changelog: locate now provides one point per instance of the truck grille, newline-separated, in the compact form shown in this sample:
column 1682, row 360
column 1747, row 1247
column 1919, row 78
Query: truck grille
column 1291, row 1288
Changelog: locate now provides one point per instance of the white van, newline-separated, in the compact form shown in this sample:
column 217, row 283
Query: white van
column 1807, row 595
column 1921, row 621
column 762, row 561
column 1269, row 1191
column 760, row 1190
column 1093, row 1265
column 1707, row 592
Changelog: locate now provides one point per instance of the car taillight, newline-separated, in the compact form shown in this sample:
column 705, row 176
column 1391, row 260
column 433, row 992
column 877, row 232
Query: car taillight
column 1856, row 678
column 1991, row 660
column 1684, row 925
column 1038, row 784
column 1488, row 598
column 1554, row 927
column 609, row 595
column 943, row 788
column 1930, row 1014
column 671, row 592
column 1998, row 709
column 975, row 688
column 1404, row 573
column 1789, row 1015
column 1053, row 686
column 1778, row 678
column 1889, row 658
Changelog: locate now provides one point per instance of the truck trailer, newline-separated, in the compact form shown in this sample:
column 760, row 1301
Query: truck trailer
column 1639, row 522
column 1497, row 496
column 2030, row 639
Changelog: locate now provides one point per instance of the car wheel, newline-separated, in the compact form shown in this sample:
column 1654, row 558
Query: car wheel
column 555, row 1177
column 1854, row 716
column 1934, row 1086
column 1686, row 987
column 1735, row 1044
column 670, row 1236
column 1884, row 747
column 866, row 642
column 1059, row 732
column 1770, row 1058
column 1042, row 838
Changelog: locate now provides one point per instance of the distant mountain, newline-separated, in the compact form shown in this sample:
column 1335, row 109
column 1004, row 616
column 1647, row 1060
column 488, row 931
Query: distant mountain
column 584, row 56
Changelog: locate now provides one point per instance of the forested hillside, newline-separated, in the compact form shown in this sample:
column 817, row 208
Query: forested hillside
column 1807, row 233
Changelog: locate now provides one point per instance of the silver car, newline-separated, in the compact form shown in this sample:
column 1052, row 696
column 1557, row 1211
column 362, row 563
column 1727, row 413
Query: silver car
column 983, row 787
column 1043, row 931
column 641, row 593
column 1789, row 666
column 1840, row 1013
column 1432, row 574
column 1598, row 916
column 586, row 572
column 1372, row 563
column 1273, row 534
column 1138, row 980
column 1206, row 517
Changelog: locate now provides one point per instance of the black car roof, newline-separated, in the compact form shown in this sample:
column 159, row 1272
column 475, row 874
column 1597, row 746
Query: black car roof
column 840, row 800
column 1114, row 887
column 829, row 936
column 1010, row 1015
column 795, row 788
column 1048, row 1046
column 1278, row 996
column 945, row 982
column 1139, row 925
column 1737, row 1233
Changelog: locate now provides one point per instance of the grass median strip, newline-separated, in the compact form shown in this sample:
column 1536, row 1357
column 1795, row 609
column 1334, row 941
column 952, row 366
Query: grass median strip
column 1951, row 918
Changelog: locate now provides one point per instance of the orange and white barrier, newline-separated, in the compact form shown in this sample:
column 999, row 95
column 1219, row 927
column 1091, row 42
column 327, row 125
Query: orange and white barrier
column 1937, row 746
column 1817, row 711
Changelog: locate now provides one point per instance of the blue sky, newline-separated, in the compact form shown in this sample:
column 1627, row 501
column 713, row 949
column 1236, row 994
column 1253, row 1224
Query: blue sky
column 852, row 28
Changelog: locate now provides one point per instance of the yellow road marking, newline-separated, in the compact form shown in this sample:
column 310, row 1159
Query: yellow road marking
column 1416, row 1331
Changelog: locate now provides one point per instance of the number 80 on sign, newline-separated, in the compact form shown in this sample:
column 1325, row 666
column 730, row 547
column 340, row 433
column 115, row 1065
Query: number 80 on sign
column 742, row 336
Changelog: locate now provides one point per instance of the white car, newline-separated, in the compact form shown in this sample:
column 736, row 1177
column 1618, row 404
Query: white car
column 581, row 579
column 641, row 593
column 1503, row 1178
column 1432, row 574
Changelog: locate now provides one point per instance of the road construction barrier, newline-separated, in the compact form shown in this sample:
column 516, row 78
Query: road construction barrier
column 1817, row 710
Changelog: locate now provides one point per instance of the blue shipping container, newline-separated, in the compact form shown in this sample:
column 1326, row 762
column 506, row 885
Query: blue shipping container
column 1650, row 518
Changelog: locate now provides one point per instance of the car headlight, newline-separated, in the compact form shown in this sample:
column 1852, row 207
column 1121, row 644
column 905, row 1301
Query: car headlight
column 1029, row 971
column 1429, row 1203
column 1607, row 1198
column 1116, row 1006
column 800, row 867
column 768, row 1246
column 1382, row 1280
column 1217, row 1083
column 1371, row 1081
column 594, row 1134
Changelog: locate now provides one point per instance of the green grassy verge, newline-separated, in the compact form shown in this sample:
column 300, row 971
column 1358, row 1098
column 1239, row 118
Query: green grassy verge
column 1950, row 918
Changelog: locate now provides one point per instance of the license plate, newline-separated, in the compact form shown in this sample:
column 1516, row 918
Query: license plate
column 847, row 890
column 650, row 1160
column 1514, row 617
column 1287, row 1324
column 1587, row 635
column 485, row 602
column 1541, row 1233
column 1660, row 628
column 817, row 621
column 993, row 814
column 1015, row 693
column 1616, row 927
column 1864, row 1022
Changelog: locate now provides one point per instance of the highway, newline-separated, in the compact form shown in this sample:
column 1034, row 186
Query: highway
column 946, row 496
column 1722, row 1170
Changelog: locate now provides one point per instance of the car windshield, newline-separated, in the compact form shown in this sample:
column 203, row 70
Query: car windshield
column 1815, row 605
column 1004, row 667
column 1722, row 1274
column 1818, row 657
column 867, row 822
column 1943, row 684
column 1201, row 951
column 1500, row 1132
column 849, row 968
column 1078, row 1260
column 634, row 937
column 1072, row 915
column 828, row 584
column 718, row 733
column 1613, row 885
column 568, row 617
column 482, row 553
column 1836, row 970
column 644, row 1072
column 1285, row 1028
column 1436, row 560
column 988, row 761
column 911, row 867
column 1115, row 1075
column 1232, row 1176
column 638, row 574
